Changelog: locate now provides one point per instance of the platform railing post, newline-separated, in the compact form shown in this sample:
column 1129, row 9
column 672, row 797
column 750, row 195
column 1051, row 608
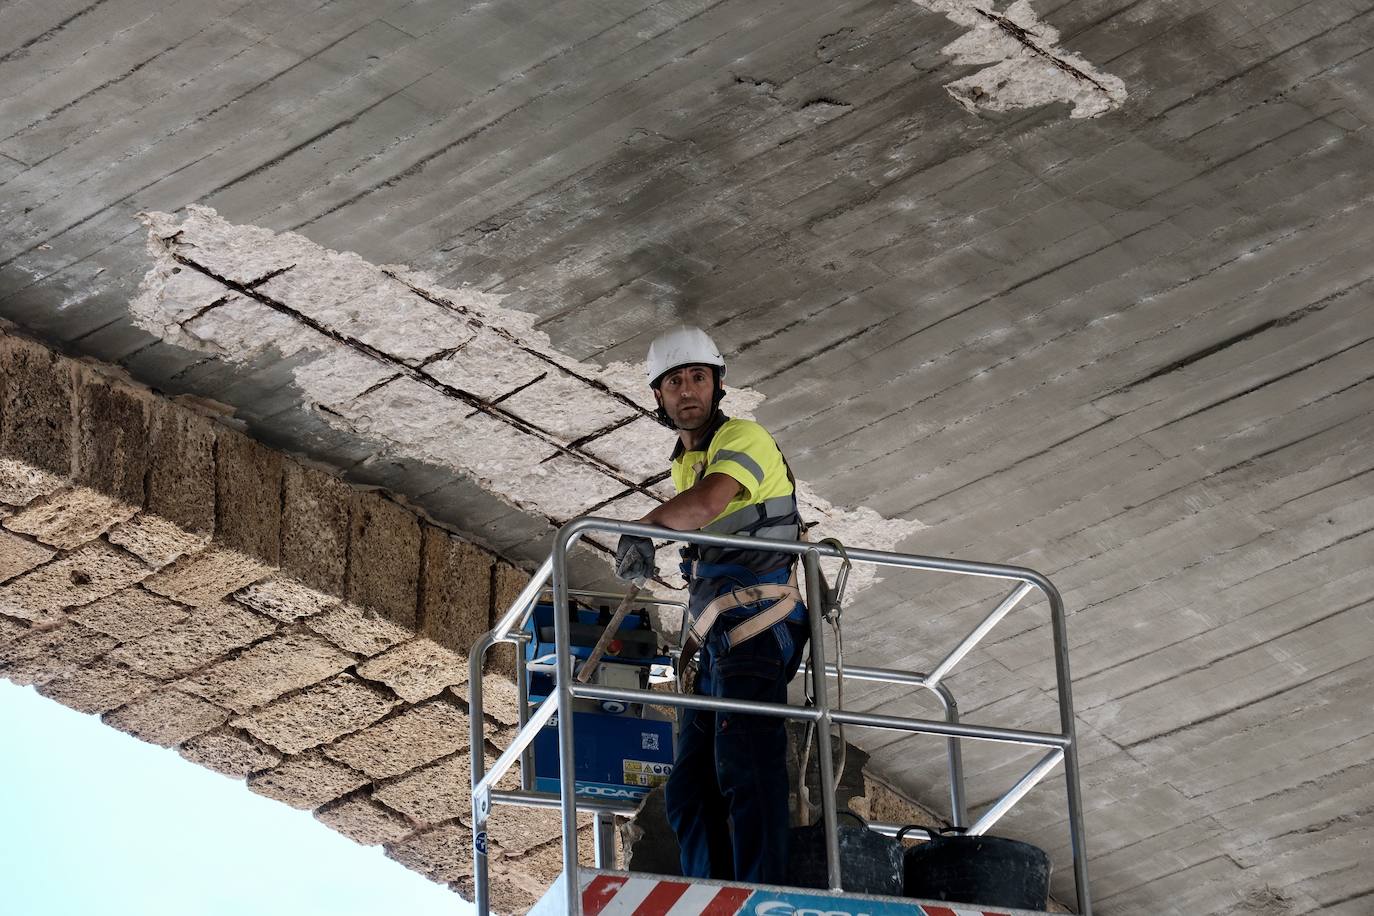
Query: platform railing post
column 811, row 563
column 567, row 764
column 955, row 754
column 1077, row 834
column 480, row 807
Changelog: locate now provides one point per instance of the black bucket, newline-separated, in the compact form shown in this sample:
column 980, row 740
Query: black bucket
column 870, row 863
column 984, row 870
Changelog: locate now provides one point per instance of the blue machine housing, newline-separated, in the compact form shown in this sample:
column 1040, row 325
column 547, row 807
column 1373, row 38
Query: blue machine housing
column 620, row 753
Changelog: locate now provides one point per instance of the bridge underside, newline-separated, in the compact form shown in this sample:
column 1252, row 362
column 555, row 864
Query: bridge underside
column 1082, row 286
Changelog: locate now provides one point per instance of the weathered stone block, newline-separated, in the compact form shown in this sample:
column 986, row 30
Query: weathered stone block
column 384, row 559
column 11, row 629
column 111, row 455
column 166, row 718
column 268, row 670
column 507, row 583
column 363, row 820
column 130, row 613
column 284, row 599
column 515, row 830
column 99, row 687
column 541, row 866
column 500, row 701
column 19, row 555
column 880, row 802
column 70, row 516
column 155, row 540
column 360, row 630
column 248, row 480
column 314, row 535
column 456, row 591
column 35, row 420
column 231, row 752
column 207, row 634
column 416, row 670
column 438, row 792
column 410, row 739
column 181, row 473
column 504, row 894
column 40, row 656
column 442, row 854
column 307, row 781
column 319, row 714
column 206, row 577
column 91, row 572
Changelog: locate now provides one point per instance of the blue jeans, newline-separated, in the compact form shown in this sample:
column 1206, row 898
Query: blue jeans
column 727, row 796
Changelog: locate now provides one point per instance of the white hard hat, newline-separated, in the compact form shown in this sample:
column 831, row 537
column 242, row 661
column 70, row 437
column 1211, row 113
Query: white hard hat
column 682, row 346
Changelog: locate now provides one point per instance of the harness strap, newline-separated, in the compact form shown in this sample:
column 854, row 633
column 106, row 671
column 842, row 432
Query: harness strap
column 786, row 598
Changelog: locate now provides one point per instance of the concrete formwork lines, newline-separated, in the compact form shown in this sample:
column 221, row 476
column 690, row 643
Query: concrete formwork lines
column 764, row 152
column 97, row 72
column 493, row 127
column 705, row 46
column 78, row 205
column 445, row 133
column 1114, row 365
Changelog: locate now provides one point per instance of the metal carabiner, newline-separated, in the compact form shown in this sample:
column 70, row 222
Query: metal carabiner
column 834, row 597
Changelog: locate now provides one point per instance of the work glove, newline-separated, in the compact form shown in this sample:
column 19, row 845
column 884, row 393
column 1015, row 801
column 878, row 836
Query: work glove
column 634, row 558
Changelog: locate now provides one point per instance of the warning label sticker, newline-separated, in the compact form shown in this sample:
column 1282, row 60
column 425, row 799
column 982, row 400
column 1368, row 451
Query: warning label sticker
column 646, row 773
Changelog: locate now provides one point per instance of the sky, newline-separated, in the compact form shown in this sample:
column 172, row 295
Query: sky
column 93, row 821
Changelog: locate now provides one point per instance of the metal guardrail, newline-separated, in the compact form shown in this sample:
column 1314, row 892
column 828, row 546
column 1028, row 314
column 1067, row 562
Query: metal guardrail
column 1061, row 746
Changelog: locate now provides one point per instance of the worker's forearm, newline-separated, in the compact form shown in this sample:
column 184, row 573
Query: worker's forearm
column 688, row 511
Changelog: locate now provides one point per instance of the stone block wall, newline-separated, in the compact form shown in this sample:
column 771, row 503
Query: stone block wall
column 200, row 591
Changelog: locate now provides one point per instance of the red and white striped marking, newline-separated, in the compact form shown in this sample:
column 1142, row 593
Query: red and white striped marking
column 613, row 895
column 624, row 895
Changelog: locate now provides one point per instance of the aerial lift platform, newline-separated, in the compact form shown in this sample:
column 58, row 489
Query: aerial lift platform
column 560, row 697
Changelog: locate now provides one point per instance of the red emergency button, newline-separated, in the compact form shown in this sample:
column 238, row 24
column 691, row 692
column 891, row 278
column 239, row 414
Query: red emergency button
column 615, row 647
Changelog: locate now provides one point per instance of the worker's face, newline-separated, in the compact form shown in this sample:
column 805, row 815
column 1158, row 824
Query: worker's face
column 687, row 394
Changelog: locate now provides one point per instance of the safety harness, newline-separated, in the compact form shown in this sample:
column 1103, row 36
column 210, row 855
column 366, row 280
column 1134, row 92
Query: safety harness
column 766, row 597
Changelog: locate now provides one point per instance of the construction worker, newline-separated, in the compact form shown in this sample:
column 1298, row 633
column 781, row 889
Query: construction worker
column 727, row 797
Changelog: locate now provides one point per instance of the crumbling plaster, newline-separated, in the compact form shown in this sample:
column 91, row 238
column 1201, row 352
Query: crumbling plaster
column 444, row 376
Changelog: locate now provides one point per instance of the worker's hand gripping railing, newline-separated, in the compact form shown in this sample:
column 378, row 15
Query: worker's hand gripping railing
column 1061, row 747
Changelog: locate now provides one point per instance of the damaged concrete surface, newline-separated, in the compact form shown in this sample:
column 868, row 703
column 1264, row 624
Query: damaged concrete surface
column 1130, row 350
column 447, row 377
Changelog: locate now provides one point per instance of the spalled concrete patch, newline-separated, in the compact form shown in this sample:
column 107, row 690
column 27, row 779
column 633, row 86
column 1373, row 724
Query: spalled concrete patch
column 1024, row 67
column 467, row 385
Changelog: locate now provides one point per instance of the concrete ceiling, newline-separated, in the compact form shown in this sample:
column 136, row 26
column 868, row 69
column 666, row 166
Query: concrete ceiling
column 1079, row 285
